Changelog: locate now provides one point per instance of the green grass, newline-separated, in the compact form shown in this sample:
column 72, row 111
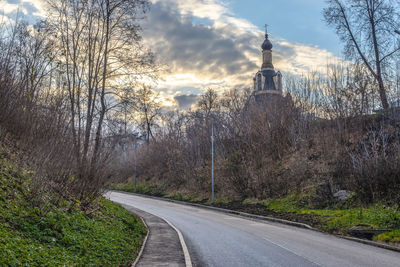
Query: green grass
column 64, row 235
column 340, row 220
column 393, row 237
column 221, row 201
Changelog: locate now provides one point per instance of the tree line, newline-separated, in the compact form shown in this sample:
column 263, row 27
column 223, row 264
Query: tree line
column 337, row 130
column 68, row 85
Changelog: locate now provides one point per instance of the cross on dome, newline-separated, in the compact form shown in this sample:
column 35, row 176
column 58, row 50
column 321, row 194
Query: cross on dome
column 267, row 45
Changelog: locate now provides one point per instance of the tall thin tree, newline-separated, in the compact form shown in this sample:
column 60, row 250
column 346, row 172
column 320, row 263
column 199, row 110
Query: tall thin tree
column 367, row 28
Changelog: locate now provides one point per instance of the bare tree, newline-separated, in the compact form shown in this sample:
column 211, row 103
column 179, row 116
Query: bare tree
column 148, row 107
column 208, row 102
column 367, row 27
column 97, row 45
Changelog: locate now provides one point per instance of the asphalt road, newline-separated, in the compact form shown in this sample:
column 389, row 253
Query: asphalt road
column 218, row 239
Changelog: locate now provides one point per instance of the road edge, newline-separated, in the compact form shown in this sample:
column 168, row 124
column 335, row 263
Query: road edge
column 188, row 260
column 371, row 243
column 265, row 218
column 144, row 243
column 244, row 214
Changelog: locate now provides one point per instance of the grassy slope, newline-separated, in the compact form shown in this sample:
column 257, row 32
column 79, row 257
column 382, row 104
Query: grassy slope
column 340, row 220
column 63, row 235
column 334, row 220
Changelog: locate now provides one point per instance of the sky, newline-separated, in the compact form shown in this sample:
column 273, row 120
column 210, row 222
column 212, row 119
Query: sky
column 216, row 43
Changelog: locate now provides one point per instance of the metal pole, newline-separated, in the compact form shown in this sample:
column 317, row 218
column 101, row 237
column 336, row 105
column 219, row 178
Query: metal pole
column 134, row 172
column 212, row 162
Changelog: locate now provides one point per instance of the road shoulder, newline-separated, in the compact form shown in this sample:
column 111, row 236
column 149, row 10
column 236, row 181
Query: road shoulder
column 163, row 246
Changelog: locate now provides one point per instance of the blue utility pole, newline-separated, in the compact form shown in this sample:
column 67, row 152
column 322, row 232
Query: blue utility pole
column 212, row 161
column 134, row 171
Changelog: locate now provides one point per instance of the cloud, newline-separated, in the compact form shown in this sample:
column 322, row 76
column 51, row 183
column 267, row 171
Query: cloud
column 29, row 10
column 299, row 59
column 39, row 6
column 205, row 45
column 189, row 48
column 4, row 23
column 30, row 7
column 10, row 8
column 186, row 101
column 211, row 9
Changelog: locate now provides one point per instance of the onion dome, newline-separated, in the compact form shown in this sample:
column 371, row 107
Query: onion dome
column 267, row 45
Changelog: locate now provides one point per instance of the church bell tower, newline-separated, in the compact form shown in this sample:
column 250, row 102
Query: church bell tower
column 267, row 81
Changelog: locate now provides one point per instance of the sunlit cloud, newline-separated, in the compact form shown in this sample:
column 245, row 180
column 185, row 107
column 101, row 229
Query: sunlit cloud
column 28, row 10
column 205, row 44
column 9, row 8
column 4, row 22
column 211, row 9
column 39, row 5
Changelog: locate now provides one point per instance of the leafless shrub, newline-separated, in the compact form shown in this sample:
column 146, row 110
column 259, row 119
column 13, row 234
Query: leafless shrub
column 376, row 166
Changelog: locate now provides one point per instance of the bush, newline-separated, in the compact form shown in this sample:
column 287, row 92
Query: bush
column 376, row 167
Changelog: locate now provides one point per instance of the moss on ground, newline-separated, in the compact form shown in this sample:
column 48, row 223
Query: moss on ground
column 62, row 235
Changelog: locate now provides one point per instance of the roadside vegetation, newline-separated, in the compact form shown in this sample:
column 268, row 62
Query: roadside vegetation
column 340, row 220
column 36, row 232
column 61, row 137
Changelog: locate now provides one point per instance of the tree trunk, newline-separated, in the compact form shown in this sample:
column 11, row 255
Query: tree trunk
column 381, row 86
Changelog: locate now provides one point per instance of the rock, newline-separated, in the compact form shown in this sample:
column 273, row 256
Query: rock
column 323, row 196
column 342, row 195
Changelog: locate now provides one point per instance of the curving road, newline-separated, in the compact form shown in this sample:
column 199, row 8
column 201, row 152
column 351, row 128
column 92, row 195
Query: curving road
column 218, row 239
